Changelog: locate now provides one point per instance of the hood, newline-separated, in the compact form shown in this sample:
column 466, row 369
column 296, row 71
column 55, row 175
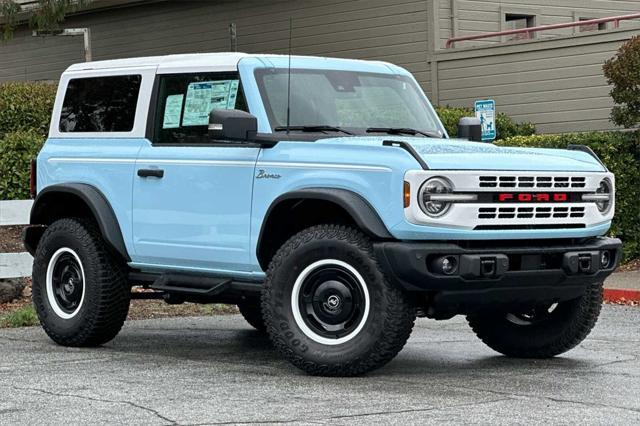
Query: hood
column 459, row 154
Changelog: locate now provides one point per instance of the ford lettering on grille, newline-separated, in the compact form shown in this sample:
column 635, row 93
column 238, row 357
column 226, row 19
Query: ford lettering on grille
column 533, row 197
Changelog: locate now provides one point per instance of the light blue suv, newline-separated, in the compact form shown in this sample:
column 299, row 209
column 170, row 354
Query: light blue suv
column 322, row 196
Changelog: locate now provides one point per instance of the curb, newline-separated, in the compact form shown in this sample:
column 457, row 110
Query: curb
column 620, row 295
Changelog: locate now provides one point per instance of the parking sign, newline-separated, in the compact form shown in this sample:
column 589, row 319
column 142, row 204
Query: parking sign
column 486, row 113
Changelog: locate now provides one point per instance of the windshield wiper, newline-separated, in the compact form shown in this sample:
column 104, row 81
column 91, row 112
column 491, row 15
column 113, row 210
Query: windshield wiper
column 404, row 131
column 317, row 128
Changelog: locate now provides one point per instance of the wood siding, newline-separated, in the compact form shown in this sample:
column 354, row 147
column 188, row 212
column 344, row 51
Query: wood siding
column 556, row 84
column 394, row 31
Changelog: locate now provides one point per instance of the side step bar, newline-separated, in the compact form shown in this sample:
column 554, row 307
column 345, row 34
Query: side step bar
column 186, row 284
column 191, row 286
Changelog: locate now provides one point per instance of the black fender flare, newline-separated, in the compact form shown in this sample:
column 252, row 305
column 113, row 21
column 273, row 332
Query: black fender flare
column 364, row 215
column 96, row 201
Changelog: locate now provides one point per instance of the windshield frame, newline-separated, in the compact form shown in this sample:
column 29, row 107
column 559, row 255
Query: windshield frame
column 258, row 73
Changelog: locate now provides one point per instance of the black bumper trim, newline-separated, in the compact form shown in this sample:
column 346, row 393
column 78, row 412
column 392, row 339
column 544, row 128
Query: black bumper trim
column 536, row 266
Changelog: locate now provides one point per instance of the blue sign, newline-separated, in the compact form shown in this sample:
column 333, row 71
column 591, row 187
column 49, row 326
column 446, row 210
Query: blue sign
column 486, row 113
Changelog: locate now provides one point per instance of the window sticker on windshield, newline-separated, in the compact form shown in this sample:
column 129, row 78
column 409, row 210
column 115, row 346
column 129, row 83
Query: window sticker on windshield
column 203, row 97
column 172, row 111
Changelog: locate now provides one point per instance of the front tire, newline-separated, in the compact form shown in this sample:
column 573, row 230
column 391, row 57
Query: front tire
column 543, row 331
column 327, row 306
column 80, row 292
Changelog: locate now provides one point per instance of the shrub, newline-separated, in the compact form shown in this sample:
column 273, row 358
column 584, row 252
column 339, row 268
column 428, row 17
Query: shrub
column 17, row 149
column 505, row 126
column 623, row 73
column 26, row 106
column 620, row 152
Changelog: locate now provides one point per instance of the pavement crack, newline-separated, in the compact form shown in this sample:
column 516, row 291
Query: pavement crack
column 548, row 398
column 89, row 398
column 367, row 414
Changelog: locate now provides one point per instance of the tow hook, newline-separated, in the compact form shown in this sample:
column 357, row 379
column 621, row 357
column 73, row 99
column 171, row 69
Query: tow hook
column 483, row 266
column 581, row 262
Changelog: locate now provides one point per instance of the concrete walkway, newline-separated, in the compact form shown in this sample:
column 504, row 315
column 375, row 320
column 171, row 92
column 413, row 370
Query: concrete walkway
column 624, row 281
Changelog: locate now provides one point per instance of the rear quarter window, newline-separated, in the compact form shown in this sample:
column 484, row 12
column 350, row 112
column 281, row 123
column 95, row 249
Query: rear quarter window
column 100, row 104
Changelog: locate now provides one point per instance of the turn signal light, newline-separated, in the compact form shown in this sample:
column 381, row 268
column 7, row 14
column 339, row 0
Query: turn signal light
column 407, row 194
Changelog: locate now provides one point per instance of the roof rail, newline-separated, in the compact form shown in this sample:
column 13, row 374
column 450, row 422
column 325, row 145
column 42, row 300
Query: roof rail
column 530, row 31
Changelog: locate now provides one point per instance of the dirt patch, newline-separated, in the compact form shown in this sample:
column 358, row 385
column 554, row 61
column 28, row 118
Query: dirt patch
column 139, row 309
column 11, row 239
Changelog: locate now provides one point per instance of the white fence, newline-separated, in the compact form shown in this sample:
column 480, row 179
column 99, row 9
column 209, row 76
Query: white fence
column 15, row 265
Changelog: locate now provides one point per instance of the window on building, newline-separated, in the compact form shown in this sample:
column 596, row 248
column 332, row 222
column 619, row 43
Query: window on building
column 517, row 21
column 185, row 101
column 100, row 104
column 591, row 27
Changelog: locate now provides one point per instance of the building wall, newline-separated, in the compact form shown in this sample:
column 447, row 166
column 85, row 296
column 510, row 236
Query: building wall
column 556, row 84
column 470, row 17
column 391, row 30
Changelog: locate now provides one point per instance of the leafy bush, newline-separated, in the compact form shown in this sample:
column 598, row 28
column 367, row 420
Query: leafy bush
column 620, row 152
column 505, row 126
column 623, row 73
column 26, row 106
column 17, row 149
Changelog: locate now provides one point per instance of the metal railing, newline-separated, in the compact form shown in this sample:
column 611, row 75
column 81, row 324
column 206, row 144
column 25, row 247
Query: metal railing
column 530, row 31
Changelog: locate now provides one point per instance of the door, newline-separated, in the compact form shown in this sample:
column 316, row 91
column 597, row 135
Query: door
column 191, row 198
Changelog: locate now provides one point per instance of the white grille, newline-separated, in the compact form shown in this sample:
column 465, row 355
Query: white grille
column 530, row 212
column 531, row 181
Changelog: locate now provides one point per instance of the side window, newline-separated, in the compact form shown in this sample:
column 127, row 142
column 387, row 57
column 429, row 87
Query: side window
column 185, row 101
column 100, row 104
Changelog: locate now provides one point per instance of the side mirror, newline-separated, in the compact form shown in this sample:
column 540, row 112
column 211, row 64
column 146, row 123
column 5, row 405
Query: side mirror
column 233, row 124
column 470, row 128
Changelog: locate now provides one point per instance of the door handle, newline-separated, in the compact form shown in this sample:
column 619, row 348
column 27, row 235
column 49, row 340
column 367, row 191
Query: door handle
column 158, row 173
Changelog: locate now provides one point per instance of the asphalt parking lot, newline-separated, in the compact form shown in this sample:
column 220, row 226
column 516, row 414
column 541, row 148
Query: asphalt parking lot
column 217, row 370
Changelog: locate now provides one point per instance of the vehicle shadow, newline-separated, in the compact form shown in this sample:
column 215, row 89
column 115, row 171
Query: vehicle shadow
column 250, row 348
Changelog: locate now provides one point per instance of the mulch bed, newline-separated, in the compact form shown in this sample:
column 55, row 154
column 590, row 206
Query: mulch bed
column 11, row 239
column 139, row 309
column 634, row 265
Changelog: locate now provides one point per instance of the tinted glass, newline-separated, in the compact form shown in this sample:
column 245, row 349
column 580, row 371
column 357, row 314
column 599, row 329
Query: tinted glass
column 185, row 101
column 352, row 100
column 100, row 104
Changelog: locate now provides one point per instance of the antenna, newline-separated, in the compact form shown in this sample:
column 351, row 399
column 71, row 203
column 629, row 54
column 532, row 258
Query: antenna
column 289, row 78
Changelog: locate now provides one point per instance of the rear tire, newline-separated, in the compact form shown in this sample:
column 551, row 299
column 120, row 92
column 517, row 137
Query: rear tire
column 541, row 332
column 80, row 291
column 327, row 306
column 252, row 313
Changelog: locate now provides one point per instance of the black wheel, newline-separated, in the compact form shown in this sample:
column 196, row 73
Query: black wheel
column 542, row 331
column 79, row 290
column 252, row 313
column 329, row 309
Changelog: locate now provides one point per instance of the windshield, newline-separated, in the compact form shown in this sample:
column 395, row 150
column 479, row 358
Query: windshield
column 355, row 101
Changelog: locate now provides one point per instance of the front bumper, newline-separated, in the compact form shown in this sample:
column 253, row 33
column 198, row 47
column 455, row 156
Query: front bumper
column 498, row 272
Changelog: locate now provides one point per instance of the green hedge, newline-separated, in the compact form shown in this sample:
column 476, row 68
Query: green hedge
column 25, row 111
column 26, row 106
column 505, row 126
column 16, row 151
column 620, row 151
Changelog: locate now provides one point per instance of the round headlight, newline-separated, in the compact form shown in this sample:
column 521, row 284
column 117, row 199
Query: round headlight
column 605, row 187
column 436, row 185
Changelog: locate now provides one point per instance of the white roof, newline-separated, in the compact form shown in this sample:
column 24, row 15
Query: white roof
column 191, row 60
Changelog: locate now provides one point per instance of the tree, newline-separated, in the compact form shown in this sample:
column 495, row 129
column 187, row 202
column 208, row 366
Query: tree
column 46, row 16
column 623, row 74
